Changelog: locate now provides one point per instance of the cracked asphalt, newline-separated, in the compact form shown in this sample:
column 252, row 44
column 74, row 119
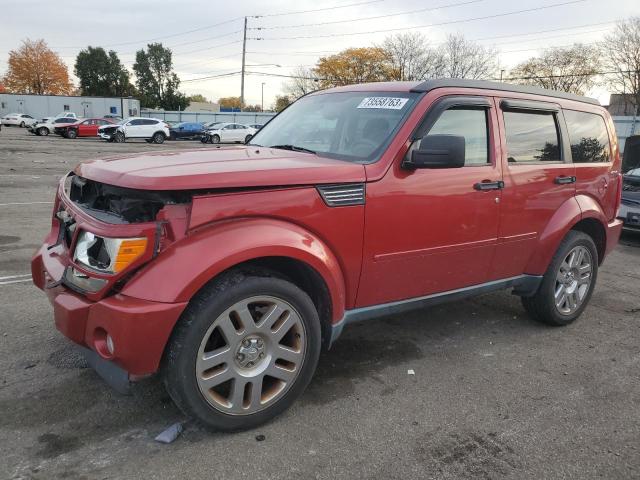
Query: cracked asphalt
column 494, row 395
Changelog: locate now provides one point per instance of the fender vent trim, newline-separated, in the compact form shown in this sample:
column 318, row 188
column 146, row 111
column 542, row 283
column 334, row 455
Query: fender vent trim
column 343, row 194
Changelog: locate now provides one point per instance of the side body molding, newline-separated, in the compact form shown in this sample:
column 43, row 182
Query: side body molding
column 185, row 267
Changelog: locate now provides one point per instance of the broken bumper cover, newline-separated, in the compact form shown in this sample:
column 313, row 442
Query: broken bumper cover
column 138, row 329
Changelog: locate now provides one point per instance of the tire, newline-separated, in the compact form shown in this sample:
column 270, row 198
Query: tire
column 158, row 138
column 248, row 138
column 567, row 282
column 172, row 136
column 204, row 138
column 208, row 323
column 72, row 133
column 44, row 131
column 21, row 124
column 215, row 139
column 119, row 137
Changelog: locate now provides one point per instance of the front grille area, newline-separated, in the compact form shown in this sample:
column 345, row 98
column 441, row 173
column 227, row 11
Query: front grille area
column 343, row 195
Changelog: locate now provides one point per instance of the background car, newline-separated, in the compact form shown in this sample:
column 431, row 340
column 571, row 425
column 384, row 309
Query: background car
column 149, row 129
column 257, row 126
column 19, row 119
column 82, row 128
column 186, row 130
column 229, row 133
column 48, row 126
column 113, row 117
column 66, row 115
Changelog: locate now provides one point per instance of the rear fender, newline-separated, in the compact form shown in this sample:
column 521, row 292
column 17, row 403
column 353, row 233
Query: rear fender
column 566, row 217
column 186, row 266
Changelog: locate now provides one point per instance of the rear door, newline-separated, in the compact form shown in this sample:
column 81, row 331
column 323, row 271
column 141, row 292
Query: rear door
column 592, row 158
column 538, row 178
column 434, row 230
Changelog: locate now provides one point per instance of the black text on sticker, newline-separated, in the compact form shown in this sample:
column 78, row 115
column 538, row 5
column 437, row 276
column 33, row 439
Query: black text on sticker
column 392, row 103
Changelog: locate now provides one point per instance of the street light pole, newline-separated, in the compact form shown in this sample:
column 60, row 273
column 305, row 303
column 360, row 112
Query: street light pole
column 244, row 53
column 262, row 92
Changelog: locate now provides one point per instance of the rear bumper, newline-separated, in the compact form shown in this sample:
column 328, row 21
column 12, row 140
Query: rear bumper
column 139, row 328
column 629, row 214
column 614, row 228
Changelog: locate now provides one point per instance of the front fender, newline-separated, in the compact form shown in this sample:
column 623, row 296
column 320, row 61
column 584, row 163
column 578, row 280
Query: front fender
column 186, row 266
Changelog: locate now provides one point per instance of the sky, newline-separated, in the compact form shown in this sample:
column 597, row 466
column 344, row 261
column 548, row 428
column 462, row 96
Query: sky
column 206, row 36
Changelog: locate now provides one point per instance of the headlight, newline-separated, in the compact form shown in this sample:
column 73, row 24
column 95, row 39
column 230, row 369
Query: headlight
column 108, row 255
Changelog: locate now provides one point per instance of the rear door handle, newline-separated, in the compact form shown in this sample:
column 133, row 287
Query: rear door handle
column 562, row 180
column 488, row 185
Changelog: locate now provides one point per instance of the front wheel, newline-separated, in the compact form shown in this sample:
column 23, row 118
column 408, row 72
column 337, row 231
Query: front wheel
column 21, row 124
column 71, row 133
column 119, row 137
column 158, row 138
column 44, row 131
column 215, row 139
column 247, row 139
column 243, row 351
column 568, row 283
column 204, row 139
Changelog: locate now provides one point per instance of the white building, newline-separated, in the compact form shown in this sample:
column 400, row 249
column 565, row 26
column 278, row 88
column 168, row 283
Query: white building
column 39, row 106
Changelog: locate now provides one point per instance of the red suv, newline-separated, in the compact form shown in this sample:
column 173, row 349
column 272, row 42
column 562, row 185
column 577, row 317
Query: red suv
column 228, row 269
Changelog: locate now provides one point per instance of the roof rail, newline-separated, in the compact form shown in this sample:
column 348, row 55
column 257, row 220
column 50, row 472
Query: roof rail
column 429, row 85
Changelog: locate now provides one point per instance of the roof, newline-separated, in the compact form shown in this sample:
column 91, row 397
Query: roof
column 429, row 85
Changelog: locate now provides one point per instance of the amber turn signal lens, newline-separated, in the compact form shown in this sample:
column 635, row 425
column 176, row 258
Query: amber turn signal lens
column 129, row 251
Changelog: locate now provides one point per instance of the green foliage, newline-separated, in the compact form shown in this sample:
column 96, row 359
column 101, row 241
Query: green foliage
column 102, row 73
column 198, row 97
column 156, row 81
column 282, row 102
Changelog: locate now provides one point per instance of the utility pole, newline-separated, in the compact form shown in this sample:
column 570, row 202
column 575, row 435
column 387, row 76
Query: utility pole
column 244, row 53
column 262, row 102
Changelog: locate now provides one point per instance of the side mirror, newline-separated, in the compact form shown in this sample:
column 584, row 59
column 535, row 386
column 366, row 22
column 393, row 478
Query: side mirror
column 437, row 151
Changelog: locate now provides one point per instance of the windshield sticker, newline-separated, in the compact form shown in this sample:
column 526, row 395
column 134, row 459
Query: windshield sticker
column 389, row 103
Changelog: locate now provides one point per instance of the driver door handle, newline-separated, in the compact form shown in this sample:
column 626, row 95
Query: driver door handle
column 489, row 185
column 562, row 180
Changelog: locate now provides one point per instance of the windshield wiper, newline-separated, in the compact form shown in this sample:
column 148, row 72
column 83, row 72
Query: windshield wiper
column 293, row 148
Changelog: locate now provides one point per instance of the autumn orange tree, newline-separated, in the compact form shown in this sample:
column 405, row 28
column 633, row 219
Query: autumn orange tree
column 35, row 68
column 354, row 65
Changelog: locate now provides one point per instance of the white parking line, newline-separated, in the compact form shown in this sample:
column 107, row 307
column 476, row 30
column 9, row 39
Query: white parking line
column 23, row 203
column 16, row 281
column 13, row 277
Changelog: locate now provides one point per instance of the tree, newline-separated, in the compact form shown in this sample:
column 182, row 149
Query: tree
column 570, row 70
column 461, row 58
column 305, row 81
column 102, row 73
column 252, row 108
column 621, row 51
column 35, row 68
column 156, row 81
column 229, row 102
column 282, row 102
column 411, row 58
column 198, row 98
column 354, row 65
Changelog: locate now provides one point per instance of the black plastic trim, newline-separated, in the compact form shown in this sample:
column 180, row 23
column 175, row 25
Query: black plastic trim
column 116, row 377
column 430, row 85
column 527, row 105
column 523, row 285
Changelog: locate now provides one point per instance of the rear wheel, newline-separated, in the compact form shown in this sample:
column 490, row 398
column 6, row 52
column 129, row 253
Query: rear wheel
column 44, row 131
column 247, row 139
column 243, row 351
column 215, row 139
column 72, row 133
column 568, row 283
column 118, row 137
column 21, row 124
column 158, row 137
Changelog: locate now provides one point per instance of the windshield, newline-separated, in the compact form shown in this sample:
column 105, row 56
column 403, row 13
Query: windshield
column 633, row 173
column 352, row 126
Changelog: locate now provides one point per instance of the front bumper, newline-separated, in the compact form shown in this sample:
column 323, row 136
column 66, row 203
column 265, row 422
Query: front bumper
column 139, row 328
column 630, row 215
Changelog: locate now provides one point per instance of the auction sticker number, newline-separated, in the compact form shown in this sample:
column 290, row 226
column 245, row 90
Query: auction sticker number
column 390, row 103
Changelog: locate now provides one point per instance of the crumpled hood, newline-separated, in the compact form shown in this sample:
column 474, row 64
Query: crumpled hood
column 225, row 167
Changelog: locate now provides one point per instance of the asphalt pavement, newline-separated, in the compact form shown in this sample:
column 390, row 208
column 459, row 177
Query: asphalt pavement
column 473, row 389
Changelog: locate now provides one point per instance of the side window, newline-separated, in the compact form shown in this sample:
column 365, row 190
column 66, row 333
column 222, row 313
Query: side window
column 531, row 137
column 65, row 108
column 136, row 122
column 470, row 124
column 149, row 122
column 588, row 136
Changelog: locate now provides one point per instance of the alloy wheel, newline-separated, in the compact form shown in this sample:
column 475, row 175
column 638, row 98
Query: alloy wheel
column 573, row 280
column 251, row 355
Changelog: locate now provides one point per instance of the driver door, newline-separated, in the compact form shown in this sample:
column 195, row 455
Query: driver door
column 432, row 230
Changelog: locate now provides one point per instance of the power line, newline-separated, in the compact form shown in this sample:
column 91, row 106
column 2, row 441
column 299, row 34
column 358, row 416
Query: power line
column 407, row 12
column 210, row 77
column 450, row 22
column 317, row 9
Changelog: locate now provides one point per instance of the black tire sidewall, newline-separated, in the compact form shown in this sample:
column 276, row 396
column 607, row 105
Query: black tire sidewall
column 179, row 362
column 158, row 138
column 72, row 134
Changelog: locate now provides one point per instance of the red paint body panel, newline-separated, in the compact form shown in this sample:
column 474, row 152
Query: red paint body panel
column 419, row 232
column 85, row 127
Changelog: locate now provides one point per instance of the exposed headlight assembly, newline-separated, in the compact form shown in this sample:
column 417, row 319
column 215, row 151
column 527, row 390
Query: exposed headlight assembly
column 108, row 255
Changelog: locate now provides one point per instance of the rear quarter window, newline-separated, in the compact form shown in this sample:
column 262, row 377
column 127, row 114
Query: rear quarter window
column 588, row 136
